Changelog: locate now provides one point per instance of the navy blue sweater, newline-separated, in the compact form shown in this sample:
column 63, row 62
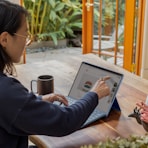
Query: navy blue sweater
column 23, row 114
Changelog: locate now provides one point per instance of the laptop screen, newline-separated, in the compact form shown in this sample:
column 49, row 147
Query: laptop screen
column 86, row 77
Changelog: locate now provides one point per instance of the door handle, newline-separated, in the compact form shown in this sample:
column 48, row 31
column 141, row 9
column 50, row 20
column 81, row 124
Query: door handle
column 88, row 5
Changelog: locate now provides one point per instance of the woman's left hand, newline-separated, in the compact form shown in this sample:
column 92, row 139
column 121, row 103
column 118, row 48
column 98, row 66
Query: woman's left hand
column 55, row 97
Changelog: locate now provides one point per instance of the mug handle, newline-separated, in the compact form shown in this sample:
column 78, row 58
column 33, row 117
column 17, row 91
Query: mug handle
column 31, row 85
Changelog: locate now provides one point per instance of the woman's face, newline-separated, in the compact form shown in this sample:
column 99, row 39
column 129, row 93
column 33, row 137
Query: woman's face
column 15, row 45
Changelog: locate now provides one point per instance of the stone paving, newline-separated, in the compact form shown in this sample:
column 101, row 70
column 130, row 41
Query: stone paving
column 44, row 54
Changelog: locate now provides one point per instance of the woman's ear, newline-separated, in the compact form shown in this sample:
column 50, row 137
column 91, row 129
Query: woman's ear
column 4, row 38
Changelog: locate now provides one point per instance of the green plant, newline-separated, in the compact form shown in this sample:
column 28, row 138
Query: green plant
column 108, row 15
column 132, row 141
column 53, row 19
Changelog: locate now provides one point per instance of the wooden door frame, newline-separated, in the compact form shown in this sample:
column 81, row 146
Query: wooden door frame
column 87, row 19
column 140, row 35
column 129, row 36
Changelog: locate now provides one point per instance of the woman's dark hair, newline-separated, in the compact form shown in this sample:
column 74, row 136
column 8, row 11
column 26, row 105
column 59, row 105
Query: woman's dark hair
column 10, row 21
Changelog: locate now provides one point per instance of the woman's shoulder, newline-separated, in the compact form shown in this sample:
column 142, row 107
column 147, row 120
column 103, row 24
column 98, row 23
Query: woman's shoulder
column 7, row 80
column 12, row 92
column 10, row 85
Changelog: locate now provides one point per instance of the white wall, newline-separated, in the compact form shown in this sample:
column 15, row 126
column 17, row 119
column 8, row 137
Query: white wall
column 144, row 67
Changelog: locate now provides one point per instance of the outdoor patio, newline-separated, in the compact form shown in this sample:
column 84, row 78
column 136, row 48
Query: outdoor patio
column 44, row 54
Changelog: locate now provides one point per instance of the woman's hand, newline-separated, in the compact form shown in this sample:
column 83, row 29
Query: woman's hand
column 143, row 111
column 101, row 88
column 55, row 97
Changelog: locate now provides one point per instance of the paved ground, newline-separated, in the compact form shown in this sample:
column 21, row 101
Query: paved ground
column 51, row 54
column 45, row 54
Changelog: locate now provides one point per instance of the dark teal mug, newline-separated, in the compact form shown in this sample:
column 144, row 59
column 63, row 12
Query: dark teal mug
column 44, row 85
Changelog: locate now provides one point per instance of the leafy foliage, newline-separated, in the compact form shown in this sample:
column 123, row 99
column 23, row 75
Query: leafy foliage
column 132, row 142
column 108, row 15
column 53, row 19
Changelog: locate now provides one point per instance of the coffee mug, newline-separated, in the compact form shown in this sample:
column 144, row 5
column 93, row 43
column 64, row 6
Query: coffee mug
column 44, row 85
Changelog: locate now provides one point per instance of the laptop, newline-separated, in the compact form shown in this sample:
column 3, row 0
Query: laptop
column 86, row 77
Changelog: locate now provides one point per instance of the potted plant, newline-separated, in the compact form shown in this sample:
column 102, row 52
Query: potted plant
column 53, row 19
column 132, row 141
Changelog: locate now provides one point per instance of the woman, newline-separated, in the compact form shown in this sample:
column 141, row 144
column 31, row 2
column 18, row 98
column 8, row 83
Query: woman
column 23, row 113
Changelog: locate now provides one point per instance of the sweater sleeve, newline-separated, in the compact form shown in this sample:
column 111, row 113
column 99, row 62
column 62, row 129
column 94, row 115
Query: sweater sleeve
column 23, row 113
column 43, row 118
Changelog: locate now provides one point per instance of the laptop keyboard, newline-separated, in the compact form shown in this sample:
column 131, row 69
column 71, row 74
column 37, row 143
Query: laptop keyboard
column 71, row 101
column 96, row 114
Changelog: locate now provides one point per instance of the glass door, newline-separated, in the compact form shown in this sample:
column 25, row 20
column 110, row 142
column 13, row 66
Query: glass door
column 109, row 30
column 112, row 29
column 106, row 29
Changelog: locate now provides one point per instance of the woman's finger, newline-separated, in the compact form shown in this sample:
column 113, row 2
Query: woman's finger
column 62, row 99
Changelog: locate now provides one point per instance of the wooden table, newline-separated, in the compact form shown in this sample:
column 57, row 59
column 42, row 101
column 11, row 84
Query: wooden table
column 133, row 89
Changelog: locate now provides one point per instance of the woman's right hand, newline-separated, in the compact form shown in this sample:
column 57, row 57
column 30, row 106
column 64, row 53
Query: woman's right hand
column 101, row 88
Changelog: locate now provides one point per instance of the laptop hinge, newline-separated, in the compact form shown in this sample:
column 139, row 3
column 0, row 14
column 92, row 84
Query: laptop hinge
column 115, row 105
